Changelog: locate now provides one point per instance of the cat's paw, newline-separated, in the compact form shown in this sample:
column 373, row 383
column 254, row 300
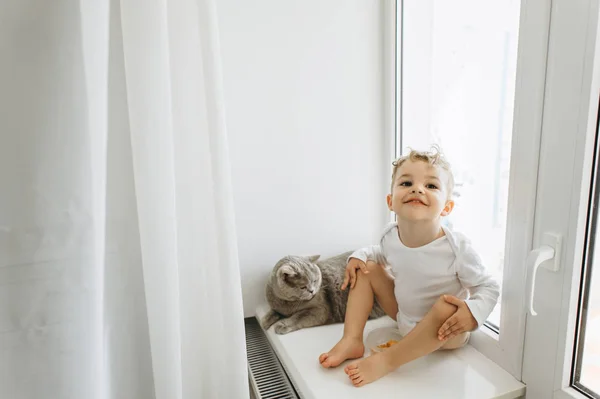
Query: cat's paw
column 270, row 318
column 281, row 327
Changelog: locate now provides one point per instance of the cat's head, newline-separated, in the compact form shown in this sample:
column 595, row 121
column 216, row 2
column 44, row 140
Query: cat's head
column 296, row 278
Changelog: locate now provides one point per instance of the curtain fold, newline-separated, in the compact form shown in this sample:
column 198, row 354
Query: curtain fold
column 119, row 275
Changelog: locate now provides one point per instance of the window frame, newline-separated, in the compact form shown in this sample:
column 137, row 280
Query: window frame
column 589, row 115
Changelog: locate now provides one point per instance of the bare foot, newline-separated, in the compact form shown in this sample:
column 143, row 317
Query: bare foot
column 368, row 370
column 347, row 348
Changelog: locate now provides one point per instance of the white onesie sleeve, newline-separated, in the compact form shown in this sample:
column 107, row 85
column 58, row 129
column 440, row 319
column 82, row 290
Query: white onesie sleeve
column 375, row 253
column 372, row 253
column 483, row 289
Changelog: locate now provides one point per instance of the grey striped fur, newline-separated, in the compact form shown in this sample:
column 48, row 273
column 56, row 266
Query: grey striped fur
column 303, row 292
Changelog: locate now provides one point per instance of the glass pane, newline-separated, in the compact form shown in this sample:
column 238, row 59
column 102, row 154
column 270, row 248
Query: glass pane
column 457, row 82
column 590, row 362
column 587, row 362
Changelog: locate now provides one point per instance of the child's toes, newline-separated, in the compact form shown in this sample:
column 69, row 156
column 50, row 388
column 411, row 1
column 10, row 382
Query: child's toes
column 351, row 366
column 323, row 357
column 356, row 377
column 352, row 372
column 357, row 382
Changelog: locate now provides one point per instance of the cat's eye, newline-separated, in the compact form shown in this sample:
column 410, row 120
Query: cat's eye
column 304, row 288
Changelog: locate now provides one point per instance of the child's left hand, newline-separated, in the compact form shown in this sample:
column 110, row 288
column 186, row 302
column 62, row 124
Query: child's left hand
column 461, row 321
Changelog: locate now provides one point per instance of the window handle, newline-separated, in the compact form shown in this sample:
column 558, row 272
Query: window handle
column 549, row 250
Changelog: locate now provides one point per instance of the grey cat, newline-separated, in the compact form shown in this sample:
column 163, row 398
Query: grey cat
column 305, row 293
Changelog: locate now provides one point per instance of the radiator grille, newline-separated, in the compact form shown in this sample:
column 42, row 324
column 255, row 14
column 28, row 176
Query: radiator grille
column 267, row 376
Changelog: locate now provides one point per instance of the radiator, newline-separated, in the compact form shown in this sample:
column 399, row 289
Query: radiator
column 268, row 378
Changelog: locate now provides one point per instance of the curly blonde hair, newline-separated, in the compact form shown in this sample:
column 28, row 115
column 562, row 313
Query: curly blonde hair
column 433, row 157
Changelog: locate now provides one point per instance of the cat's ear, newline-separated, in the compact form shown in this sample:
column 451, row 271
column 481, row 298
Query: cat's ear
column 285, row 270
column 313, row 259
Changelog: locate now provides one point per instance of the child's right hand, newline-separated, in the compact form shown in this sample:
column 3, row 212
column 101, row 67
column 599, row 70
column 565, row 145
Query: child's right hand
column 351, row 268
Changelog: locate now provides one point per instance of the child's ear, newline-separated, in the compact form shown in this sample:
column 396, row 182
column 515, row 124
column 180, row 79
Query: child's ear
column 448, row 208
column 389, row 201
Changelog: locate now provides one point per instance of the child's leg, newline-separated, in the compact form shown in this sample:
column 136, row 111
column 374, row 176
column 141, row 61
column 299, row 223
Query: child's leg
column 360, row 302
column 420, row 341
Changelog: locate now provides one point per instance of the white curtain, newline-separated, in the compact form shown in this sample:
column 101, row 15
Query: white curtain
column 119, row 274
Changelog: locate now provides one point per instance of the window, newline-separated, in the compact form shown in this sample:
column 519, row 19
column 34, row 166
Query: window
column 518, row 123
column 456, row 88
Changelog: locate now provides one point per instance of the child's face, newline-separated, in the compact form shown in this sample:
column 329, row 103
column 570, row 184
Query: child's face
column 420, row 192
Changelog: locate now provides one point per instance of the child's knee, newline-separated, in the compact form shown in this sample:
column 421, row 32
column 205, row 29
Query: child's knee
column 373, row 267
column 457, row 342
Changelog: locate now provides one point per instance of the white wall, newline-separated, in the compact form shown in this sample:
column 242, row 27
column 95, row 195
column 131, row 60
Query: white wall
column 303, row 94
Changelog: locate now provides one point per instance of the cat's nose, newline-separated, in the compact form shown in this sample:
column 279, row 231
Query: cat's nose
column 311, row 291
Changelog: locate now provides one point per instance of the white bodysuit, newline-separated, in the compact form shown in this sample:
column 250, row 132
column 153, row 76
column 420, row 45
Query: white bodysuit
column 448, row 265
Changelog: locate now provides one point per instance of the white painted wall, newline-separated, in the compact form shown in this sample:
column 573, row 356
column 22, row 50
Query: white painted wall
column 303, row 93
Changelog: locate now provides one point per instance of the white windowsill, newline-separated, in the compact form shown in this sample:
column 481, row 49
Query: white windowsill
column 464, row 373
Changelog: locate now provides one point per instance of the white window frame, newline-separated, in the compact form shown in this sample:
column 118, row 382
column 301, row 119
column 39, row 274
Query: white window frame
column 506, row 348
column 578, row 225
column 573, row 88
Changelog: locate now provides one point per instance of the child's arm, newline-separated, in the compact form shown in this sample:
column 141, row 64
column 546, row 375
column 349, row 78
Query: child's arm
column 484, row 292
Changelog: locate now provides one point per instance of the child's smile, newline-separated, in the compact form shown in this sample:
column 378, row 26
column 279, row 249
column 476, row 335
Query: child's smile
column 416, row 202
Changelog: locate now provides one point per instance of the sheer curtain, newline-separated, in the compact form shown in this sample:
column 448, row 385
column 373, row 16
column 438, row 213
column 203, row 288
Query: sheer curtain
column 118, row 261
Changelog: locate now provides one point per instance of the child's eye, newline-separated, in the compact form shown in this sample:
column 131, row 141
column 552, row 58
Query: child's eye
column 432, row 187
column 405, row 184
